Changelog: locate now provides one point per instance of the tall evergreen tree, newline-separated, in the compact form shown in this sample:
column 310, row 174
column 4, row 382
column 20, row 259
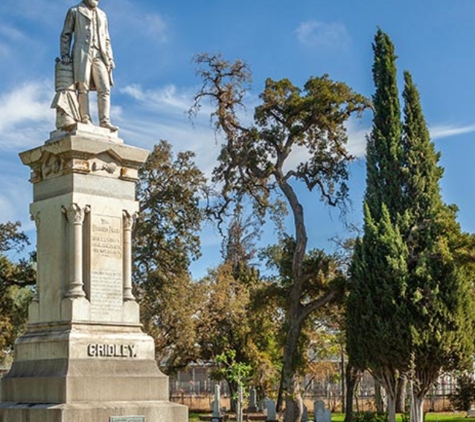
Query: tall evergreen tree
column 377, row 335
column 441, row 299
column 410, row 309
column 384, row 150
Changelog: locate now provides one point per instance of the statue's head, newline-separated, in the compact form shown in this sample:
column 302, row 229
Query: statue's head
column 92, row 3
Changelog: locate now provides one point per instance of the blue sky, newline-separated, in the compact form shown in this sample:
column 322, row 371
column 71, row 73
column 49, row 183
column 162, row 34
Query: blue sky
column 154, row 42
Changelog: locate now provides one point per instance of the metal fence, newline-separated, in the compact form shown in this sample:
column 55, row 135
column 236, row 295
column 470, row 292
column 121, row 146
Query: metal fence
column 195, row 388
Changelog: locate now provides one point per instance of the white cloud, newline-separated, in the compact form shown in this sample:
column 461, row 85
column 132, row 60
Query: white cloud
column 445, row 131
column 46, row 12
column 15, row 196
column 25, row 114
column 321, row 34
column 4, row 50
column 156, row 27
column 356, row 138
column 182, row 135
column 168, row 98
column 130, row 18
column 12, row 33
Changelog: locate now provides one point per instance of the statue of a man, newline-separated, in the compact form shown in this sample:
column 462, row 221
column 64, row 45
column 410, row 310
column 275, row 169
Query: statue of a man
column 91, row 55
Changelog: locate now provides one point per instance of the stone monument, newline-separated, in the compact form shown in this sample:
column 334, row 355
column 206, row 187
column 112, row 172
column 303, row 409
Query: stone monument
column 84, row 357
column 216, row 405
column 321, row 414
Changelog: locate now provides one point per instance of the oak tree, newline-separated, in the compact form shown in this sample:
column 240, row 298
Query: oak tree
column 255, row 161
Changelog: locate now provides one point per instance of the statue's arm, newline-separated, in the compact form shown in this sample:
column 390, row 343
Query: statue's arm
column 109, row 47
column 67, row 34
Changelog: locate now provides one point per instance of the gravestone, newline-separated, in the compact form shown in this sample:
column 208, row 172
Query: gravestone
column 305, row 414
column 252, row 400
column 271, row 411
column 320, row 413
column 263, row 404
column 84, row 356
column 216, row 405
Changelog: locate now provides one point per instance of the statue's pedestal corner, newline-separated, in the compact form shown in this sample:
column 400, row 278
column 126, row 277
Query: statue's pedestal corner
column 75, row 309
column 131, row 312
column 86, row 131
column 34, row 312
column 92, row 411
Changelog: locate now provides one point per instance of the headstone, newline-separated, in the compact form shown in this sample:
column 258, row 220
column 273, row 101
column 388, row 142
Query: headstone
column 271, row 411
column 216, row 405
column 305, row 414
column 263, row 404
column 320, row 413
column 252, row 400
column 471, row 412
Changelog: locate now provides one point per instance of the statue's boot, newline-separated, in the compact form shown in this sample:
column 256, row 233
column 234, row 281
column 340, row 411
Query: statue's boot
column 83, row 100
column 103, row 106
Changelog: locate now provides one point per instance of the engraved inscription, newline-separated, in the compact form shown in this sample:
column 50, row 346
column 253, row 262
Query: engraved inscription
column 112, row 350
column 127, row 419
column 106, row 291
column 106, row 237
column 106, row 286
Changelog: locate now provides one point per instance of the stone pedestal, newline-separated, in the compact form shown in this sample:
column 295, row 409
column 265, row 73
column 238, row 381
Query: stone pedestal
column 84, row 356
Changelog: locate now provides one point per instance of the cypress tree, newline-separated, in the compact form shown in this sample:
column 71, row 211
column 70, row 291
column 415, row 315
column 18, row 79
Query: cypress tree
column 411, row 305
column 384, row 149
column 377, row 333
column 439, row 292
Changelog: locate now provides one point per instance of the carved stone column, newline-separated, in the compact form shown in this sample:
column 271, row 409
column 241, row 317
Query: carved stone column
column 75, row 216
column 128, row 222
column 36, row 219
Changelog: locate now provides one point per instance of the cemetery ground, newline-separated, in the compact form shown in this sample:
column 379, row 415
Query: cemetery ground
column 339, row 417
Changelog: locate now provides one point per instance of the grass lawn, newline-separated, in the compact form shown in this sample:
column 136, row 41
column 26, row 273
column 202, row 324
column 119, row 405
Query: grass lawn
column 430, row 417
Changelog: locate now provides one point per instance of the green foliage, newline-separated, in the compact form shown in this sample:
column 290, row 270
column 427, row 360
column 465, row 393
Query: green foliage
column 166, row 239
column 16, row 277
column 232, row 370
column 376, row 305
column 169, row 191
column 464, row 394
column 370, row 417
column 384, row 151
column 411, row 291
column 441, row 297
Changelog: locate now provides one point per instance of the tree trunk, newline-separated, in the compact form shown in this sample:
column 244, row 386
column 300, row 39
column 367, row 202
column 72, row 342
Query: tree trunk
column 239, row 405
column 290, row 379
column 294, row 404
column 232, row 392
column 391, row 407
column 378, row 397
column 280, row 400
column 343, row 380
column 352, row 375
column 417, row 408
column 401, row 395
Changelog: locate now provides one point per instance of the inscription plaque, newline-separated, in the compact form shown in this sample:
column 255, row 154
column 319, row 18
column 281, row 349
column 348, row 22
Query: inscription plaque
column 106, row 267
column 127, row 419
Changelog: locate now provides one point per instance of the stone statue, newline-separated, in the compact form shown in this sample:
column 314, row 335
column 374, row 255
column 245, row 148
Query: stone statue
column 91, row 58
column 65, row 101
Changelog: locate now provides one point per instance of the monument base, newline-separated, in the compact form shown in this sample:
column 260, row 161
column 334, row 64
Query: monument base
column 157, row 411
column 86, row 373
